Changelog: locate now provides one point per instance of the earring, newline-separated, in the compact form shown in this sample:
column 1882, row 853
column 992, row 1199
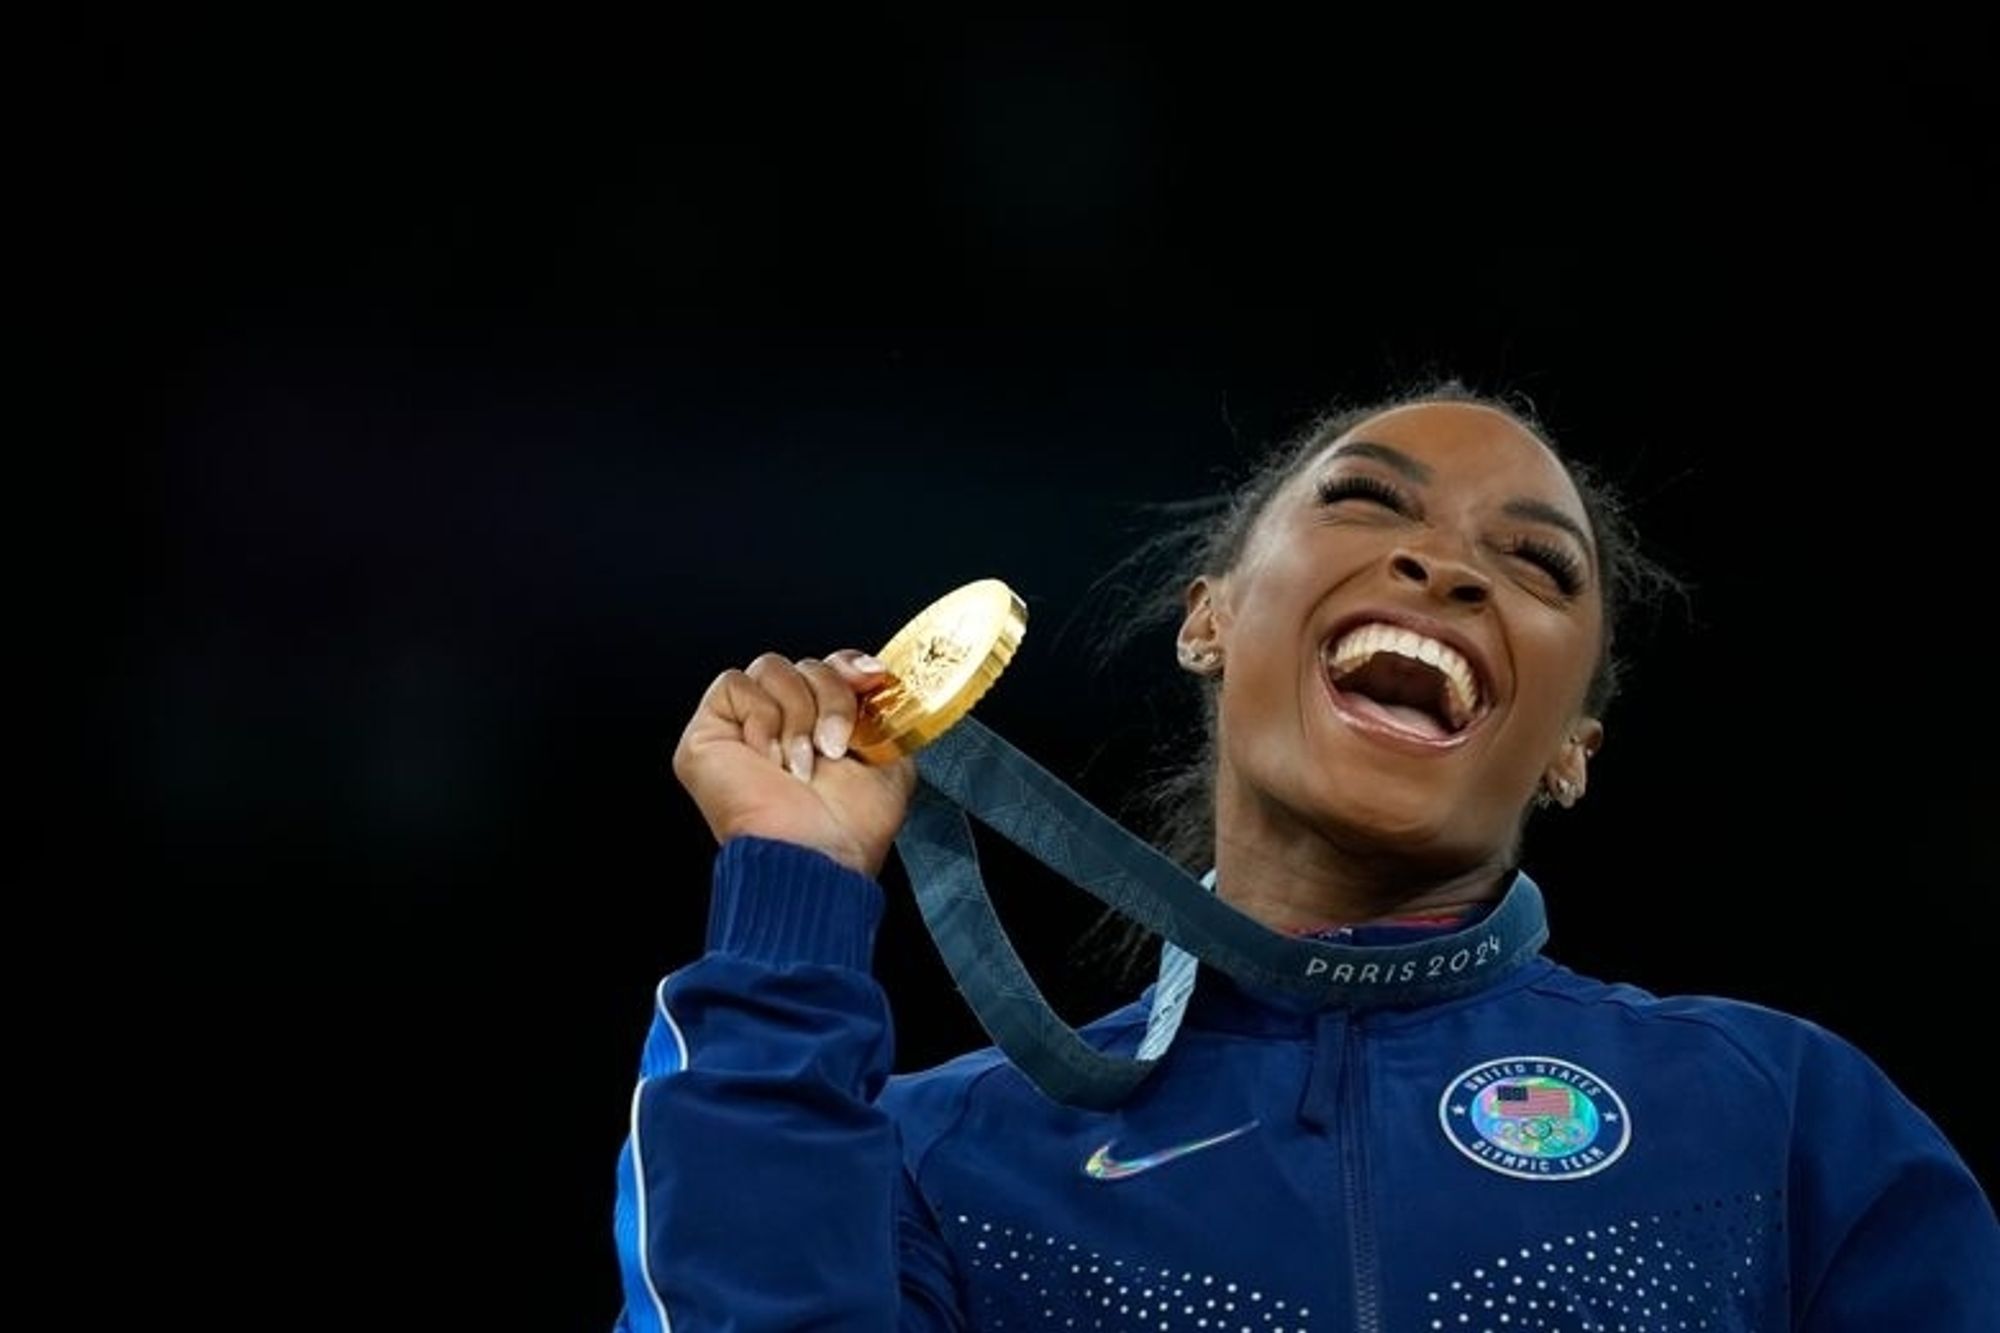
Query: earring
column 1199, row 660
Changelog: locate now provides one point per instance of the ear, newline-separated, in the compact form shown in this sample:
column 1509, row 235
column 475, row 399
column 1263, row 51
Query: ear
column 1199, row 642
column 1568, row 774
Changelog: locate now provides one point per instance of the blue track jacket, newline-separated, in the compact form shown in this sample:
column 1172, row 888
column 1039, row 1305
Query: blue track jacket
column 1550, row 1153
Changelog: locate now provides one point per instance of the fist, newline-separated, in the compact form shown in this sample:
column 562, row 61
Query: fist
column 766, row 755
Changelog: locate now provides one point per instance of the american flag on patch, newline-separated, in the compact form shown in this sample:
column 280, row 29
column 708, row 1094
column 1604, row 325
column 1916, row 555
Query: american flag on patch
column 1519, row 1099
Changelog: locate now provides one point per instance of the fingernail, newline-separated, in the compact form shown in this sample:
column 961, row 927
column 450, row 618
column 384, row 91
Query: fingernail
column 777, row 751
column 802, row 758
column 832, row 733
column 867, row 663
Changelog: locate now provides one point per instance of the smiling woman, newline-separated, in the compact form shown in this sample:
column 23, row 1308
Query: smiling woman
column 1578, row 551
column 1403, row 632
column 1447, row 540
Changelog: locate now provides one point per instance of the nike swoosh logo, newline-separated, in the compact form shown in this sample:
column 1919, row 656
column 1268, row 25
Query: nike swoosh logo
column 1101, row 1165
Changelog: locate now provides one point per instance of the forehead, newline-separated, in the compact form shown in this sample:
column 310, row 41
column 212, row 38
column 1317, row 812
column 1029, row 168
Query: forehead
column 1463, row 444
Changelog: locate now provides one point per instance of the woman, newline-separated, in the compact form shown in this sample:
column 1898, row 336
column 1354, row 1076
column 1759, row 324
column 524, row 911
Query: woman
column 1404, row 630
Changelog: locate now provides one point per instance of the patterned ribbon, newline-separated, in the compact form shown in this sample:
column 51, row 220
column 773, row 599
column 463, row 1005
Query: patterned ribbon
column 971, row 770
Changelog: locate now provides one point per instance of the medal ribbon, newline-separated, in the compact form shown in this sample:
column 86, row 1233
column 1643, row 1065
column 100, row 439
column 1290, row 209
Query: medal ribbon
column 971, row 770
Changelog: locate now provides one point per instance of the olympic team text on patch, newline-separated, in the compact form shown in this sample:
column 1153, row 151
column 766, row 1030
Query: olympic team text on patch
column 1535, row 1117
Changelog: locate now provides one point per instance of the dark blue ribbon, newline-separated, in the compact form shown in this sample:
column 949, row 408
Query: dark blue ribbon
column 970, row 770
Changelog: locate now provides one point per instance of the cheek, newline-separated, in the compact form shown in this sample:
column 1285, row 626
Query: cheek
column 1257, row 696
column 1270, row 674
column 1557, row 659
column 1265, row 725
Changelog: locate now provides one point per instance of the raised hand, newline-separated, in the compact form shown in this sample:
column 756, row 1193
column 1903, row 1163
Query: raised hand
column 765, row 754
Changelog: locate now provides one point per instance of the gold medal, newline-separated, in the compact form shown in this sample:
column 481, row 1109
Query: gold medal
column 940, row 664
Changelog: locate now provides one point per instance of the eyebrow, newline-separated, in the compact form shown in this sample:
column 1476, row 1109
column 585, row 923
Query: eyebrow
column 1384, row 453
column 1537, row 511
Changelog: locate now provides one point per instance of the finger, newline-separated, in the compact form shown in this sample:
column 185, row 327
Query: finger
column 836, row 693
column 738, row 701
column 857, row 665
column 863, row 674
column 797, row 705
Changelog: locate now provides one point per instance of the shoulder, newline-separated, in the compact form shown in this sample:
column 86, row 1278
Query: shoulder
column 1790, row 1050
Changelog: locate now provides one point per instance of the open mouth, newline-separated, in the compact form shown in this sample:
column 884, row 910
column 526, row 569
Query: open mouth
column 1397, row 680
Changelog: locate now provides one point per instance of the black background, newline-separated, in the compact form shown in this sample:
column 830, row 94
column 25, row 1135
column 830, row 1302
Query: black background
column 457, row 399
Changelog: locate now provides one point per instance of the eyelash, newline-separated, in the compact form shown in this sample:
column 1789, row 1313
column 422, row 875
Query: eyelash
column 1558, row 563
column 1360, row 486
column 1563, row 567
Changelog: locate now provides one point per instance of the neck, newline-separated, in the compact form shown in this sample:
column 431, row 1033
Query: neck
column 1293, row 877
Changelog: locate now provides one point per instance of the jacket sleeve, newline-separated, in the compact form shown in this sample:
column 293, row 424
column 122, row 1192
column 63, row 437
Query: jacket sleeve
column 1890, row 1228
column 760, row 1187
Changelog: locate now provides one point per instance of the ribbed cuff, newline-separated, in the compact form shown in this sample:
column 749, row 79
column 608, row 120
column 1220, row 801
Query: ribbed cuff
column 779, row 902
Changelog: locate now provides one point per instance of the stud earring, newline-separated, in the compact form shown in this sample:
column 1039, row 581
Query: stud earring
column 1563, row 790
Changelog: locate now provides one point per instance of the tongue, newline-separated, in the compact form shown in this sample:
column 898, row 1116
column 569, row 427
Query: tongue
column 1400, row 716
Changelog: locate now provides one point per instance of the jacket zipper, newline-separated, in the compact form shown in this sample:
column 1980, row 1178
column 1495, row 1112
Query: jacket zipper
column 1362, row 1249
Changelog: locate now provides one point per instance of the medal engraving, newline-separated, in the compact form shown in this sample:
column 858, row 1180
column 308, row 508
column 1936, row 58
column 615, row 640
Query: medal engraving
column 940, row 664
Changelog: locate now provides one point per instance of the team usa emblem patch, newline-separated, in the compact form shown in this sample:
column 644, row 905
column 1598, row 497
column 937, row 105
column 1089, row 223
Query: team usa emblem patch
column 1535, row 1117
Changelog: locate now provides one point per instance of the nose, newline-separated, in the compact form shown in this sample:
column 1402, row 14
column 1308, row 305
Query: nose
column 1441, row 575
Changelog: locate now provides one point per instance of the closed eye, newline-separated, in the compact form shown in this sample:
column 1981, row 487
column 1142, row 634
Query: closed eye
column 1559, row 564
column 1361, row 486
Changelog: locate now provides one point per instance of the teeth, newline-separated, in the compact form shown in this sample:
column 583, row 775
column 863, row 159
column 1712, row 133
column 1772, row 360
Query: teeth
column 1363, row 642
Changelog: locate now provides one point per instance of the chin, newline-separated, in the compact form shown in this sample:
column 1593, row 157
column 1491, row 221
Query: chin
column 1415, row 823
column 1417, row 833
